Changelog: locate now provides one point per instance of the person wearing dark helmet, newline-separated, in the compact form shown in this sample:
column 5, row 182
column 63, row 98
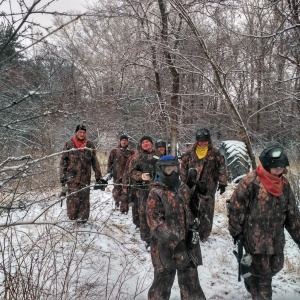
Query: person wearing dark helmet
column 77, row 160
column 161, row 146
column 261, row 207
column 169, row 217
column 211, row 176
column 116, row 165
column 141, row 171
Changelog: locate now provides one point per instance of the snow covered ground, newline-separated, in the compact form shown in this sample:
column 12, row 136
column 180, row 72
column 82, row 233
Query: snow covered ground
column 105, row 258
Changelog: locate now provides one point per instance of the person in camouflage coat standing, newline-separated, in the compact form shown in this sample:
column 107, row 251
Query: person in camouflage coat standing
column 117, row 160
column 211, row 170
column 78, row 158
column 141, row 171
column 130, row 193
column 161, row 146
column 262, row 205
column 170, row 217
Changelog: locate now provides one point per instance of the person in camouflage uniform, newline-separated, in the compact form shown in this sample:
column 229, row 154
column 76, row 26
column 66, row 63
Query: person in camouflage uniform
column 130, row 193
column 116, row 165
column 211, row 170
column 141, row 171
column 161, row 146
column 169, row 217
column 262, row 205
column 78, row 158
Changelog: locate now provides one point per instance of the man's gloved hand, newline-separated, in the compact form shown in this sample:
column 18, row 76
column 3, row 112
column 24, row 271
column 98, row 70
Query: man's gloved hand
column 153, row 160
column 202, row 187
column 236, row 238
column 181, row 257
column 221, row 188
column 101, row 184
column 63, row 192
column 63, row 182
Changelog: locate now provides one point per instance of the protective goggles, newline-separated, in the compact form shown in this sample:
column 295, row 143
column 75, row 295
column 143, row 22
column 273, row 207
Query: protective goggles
column 160, row 143
column 275, row 153
column 168, row 170
column 202, row 136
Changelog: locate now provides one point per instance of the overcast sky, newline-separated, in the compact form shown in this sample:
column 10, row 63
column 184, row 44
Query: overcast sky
column 62, row 6
column 58, row 5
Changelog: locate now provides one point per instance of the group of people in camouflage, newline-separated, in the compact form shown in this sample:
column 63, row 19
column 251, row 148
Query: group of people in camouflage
column 167, row 202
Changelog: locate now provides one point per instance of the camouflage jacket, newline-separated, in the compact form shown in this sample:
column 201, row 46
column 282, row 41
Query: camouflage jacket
column 169, row 217
column 261, row 217
column 75, row 165
column 141, row 163
column 214, row 168
column 117, row 160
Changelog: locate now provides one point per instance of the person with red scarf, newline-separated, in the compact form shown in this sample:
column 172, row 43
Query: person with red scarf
column 77, row 160
column 261, row 207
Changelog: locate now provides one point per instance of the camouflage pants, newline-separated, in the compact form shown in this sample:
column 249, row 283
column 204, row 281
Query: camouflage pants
column 78, row 203
column 207, row 207
column 188, row 281
column 263, row 268
column 135, row 211
column 144, row 227
column 119, row 197
column 117, row 191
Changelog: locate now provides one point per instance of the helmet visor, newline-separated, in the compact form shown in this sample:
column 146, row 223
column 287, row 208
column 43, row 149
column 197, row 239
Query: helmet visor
column 275, row 153
column 168, row 170
column 202, row 135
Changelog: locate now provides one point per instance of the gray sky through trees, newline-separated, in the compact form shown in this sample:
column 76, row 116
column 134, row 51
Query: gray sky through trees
column 56, row 6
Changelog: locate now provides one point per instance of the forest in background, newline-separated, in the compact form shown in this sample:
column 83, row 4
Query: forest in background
column 159, row 67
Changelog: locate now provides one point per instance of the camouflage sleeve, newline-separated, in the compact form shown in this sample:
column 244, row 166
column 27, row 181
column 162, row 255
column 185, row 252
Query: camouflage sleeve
column 110, row 161
column 292, row 222
column 222, row 169
column 134, row 170
column 238, row 208
column 64, row 161
column 125, row 177
column 183, row 168
column 95, row 163
column 156, row 221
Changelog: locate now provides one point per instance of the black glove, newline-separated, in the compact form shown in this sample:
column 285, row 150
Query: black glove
column 101, row 184
column 181, row 257
column 191, row 177
column 153, row 160
column 63, row 182
column 201, row 185
column 236, row 238
column 63, row 192
column 221, row 188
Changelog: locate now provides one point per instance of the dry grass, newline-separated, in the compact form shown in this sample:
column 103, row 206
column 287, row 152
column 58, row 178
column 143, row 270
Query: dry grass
column 220, row 207
column 292, row 265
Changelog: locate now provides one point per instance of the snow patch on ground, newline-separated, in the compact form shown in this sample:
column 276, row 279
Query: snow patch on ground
column 105, row 258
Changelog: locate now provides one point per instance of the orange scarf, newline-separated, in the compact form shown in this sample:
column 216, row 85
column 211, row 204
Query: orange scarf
column 78, row 143
column 271, row 183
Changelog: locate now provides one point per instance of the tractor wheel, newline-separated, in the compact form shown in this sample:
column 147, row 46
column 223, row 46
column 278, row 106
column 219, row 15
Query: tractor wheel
column 237, row 159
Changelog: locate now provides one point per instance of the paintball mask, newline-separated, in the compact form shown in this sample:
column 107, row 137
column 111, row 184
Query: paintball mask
column 273, row 157
column 167, row 168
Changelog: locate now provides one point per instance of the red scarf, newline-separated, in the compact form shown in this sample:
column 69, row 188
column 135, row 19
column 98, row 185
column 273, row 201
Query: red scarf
column 271, row 183
column 79, row 143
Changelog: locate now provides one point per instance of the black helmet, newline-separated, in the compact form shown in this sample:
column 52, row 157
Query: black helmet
column 202, row 135
column 167, row 168
column 273, row 157
column 160, row 143
column 80, row 127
